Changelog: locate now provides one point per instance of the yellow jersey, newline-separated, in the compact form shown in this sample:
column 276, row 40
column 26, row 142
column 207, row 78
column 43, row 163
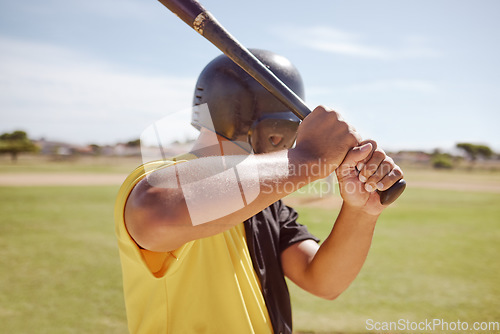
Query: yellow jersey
column 206, row 286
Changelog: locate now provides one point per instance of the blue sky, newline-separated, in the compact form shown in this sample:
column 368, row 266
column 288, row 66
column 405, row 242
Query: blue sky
column 412, row 75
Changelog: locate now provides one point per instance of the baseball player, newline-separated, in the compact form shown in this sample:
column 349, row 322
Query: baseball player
column 205, row 240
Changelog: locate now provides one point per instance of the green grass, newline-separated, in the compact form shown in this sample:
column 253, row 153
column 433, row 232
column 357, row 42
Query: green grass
column 434, row 255
column 59, row 261
column 28, row 163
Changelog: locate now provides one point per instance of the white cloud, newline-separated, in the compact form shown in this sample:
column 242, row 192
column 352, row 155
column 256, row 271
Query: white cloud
column 129, row 9
column 42, row 84
column 395, row 85
column 331, row 40
column 390, row 86
column 113, row 9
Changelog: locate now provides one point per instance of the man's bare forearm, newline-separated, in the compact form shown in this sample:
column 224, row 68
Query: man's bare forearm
column 161, row 218
column 341, row 256
column 206, row 196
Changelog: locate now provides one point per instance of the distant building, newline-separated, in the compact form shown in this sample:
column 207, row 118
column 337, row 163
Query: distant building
column 413, row 157
column 62, row 149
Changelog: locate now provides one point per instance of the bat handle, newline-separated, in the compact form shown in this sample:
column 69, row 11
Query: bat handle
column 390, row 195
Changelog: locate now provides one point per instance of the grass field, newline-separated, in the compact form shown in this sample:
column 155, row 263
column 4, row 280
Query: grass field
column 59, row 261
column 435, row 255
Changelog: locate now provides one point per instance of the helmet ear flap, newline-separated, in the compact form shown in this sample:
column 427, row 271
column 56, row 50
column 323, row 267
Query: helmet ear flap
column 229, row 99
column 273, row 132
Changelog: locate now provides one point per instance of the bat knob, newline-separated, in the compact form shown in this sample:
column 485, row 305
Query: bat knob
column 390, row 195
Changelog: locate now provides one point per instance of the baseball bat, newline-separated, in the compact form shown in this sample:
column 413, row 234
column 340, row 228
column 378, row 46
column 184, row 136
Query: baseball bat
column 198, row 18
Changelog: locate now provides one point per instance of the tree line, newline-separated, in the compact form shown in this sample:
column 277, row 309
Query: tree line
column 18, row 142
column 472, row 152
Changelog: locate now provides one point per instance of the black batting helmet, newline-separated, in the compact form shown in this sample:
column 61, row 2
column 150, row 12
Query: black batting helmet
column 241, row 110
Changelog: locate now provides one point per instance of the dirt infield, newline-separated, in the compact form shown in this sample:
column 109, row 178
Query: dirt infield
column 492, row 187
column 94, row 179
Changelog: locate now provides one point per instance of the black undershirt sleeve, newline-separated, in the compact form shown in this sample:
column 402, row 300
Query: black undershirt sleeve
column 268, row 234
